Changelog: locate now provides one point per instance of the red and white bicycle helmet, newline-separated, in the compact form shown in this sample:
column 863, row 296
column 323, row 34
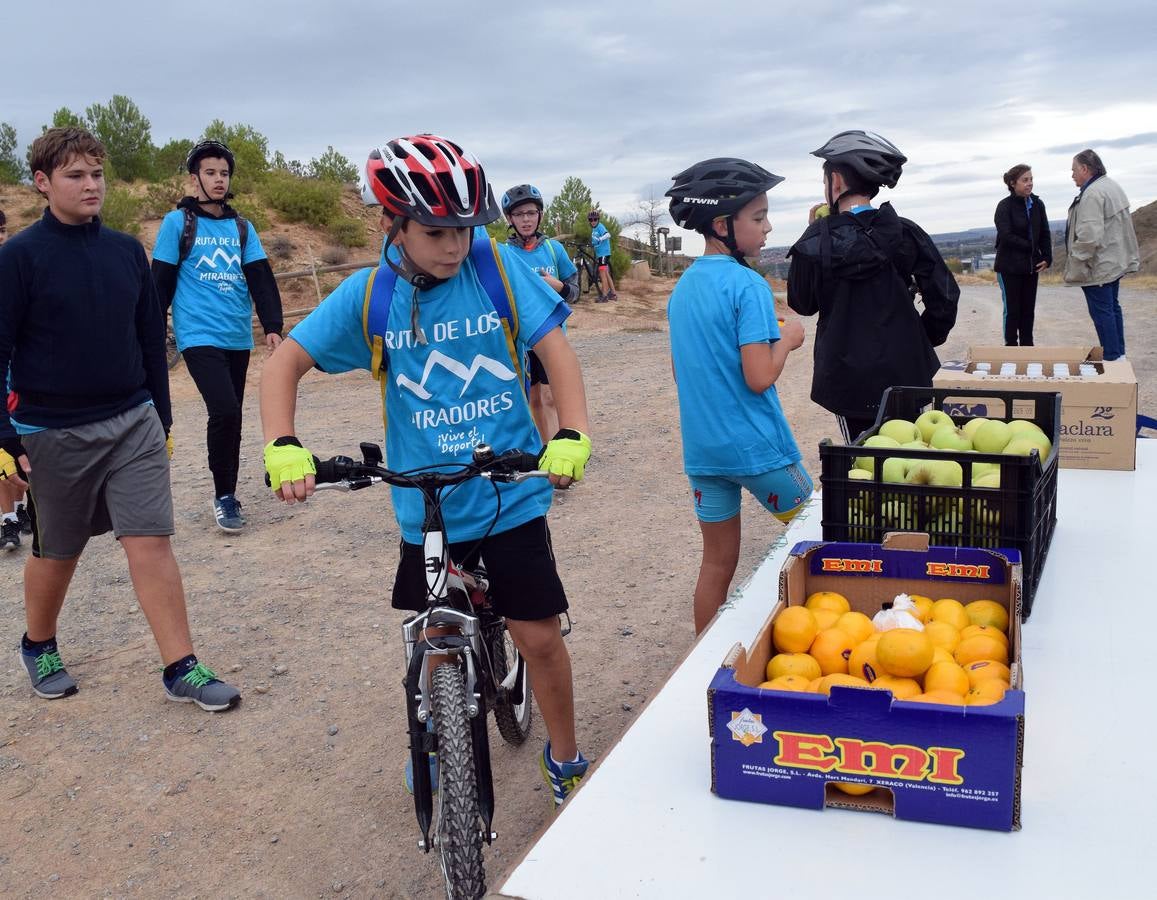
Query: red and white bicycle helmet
column 431, row 180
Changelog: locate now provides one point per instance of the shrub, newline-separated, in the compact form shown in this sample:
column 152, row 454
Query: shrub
column 348, row 232
column 251, row 211
column 162, row 196
column 278, row 245
column 334, row 255
column 121, row 210
column 302, row 199
column 954, row 265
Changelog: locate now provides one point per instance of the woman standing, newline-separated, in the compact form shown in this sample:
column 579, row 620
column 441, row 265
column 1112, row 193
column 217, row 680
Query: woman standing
column 1024, row 248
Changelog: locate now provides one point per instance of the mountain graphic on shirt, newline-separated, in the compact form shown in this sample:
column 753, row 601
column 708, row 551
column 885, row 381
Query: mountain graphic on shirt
column 466, row 373
column 229, row 259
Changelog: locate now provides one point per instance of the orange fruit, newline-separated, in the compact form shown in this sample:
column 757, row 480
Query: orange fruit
column 987, row 612
column 946, row 676
column 986, row 693
column 855, row 790
column 939, row 654
column 863, row 662
column 943, row 635
column 828, row 600
column 923, row 606
column 832, row 649
column 986, row 670
column 813, row 686
column 841, row 678
column 793, row 664
column 946, row 698
column 826, row 618
column 978, row 647
column 856, row 624
column 793, row 630
column 904, row 652
column 984, row 629
column 786, row 683
column 950, row 611
column 901, row 688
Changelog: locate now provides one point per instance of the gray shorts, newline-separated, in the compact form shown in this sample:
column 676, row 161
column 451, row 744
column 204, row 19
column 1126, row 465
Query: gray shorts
column 111, row 475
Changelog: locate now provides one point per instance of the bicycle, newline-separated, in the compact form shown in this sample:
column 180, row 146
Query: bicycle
column 476, row 667
column 588, row 269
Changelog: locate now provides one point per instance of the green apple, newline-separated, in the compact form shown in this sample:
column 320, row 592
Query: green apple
column 937, row 472
column 896, row 513
column 991, row 437
column 1026, row 443
column 900, row 430
column 980, row 469
column 915, row 445
column 969, row 427
column 895, row 469
column 860, row 474
column 987, row 480
column 949, row 437
column 929, row 421
column 1018, row 426
column 868, row 463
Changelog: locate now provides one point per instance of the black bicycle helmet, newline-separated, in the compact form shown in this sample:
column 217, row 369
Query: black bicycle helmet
column 521, row 193
column 209, row 148
column 716, row 187
column 873, row 158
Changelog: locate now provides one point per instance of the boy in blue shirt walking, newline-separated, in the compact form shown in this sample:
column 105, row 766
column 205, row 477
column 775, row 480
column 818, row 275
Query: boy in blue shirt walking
column 450, row 384
column 727, row 352
column 601, row 242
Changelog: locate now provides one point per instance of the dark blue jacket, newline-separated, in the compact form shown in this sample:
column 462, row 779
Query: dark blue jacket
column 80, row 327
column 1023, row 239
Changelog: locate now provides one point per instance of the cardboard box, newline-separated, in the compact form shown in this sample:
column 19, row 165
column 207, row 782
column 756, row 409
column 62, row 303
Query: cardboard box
column 927, row 762
column 1098, row 412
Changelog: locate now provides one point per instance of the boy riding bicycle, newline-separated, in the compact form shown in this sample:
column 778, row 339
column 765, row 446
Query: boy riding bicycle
column 450, row 382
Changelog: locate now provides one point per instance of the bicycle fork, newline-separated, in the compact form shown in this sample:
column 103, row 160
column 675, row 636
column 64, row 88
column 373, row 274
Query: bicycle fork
column 455, row 649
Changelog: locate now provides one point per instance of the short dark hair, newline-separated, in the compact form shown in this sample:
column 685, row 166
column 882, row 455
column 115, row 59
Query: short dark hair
column 1089, row 158
column 57, row 146
column 856, row 184
column 3, row 219
column 1012, row 176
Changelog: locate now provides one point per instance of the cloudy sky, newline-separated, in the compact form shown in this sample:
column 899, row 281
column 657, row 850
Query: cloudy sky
column 625, row 94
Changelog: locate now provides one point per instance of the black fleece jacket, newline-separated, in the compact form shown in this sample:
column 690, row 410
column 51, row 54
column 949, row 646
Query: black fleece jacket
column 1023, row 238
column 258, row 277
column 861, row 272
column 81, row 331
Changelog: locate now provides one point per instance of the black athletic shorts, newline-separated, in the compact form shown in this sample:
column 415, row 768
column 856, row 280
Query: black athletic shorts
column 603, row 261
column 524, row 582
column 534, row 368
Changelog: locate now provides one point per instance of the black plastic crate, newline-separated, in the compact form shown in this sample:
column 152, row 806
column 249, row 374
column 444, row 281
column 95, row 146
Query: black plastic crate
column 1020, row 514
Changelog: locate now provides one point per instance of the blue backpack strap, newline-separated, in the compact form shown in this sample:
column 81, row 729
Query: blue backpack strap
column 376, row 316
column 492, row 275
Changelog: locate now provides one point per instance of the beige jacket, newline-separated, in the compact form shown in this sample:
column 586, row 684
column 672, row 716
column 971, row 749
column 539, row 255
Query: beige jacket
column 1101, row 242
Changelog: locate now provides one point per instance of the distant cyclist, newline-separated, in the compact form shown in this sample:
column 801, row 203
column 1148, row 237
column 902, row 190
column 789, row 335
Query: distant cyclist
column 522, row 206
column 207, row 262
column 451, row 381
column 601, row 242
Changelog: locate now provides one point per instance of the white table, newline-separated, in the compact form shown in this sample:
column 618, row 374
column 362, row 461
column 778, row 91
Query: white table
column 647, row 825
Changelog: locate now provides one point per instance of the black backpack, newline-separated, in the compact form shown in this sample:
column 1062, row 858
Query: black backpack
column 189, row 234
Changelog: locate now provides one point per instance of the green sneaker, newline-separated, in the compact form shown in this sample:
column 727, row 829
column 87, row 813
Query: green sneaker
column 50, row 679
column 201, row 686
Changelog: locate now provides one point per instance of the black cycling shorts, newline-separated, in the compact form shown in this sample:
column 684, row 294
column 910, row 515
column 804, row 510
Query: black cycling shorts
column 535, row 369
column 524, row 582
column 604, row 262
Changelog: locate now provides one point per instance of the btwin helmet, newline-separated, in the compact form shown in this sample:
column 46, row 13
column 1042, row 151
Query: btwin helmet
column 716, row 187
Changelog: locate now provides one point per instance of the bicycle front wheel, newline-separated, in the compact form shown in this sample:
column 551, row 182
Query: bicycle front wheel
column 458, row 827
column 512, row 709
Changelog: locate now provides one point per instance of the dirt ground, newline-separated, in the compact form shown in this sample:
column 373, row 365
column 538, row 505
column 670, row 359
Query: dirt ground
column 117, row 793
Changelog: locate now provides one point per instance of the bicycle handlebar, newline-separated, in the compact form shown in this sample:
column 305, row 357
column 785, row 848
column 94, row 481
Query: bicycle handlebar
column 346, row 474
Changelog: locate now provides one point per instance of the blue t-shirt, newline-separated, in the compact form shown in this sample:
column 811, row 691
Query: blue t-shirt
column 456, row 391
column 211, row 305
column 552, row 258
column 717, row 307
column 601, row 240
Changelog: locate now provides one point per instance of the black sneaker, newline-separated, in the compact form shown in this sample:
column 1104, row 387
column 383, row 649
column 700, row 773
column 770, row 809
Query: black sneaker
column 227, row 512
column 10, row 535
column 24, row 519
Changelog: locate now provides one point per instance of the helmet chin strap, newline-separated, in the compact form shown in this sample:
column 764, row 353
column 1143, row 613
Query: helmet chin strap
column 728, row 241
column 420, row 281
column 222, row 202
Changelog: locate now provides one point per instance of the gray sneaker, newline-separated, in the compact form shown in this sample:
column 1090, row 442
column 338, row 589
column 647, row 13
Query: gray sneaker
column 227, row 512
column 50, row 679
column 201, row 686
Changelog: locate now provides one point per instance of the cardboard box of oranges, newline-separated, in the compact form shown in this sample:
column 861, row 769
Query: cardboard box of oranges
column 924, row 721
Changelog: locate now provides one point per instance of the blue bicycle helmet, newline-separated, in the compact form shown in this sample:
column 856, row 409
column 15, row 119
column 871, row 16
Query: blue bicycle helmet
column 521, row 193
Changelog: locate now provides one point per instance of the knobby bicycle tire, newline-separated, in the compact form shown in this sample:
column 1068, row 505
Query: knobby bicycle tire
column 459, row 834
column 172, row 354
column 513, row 719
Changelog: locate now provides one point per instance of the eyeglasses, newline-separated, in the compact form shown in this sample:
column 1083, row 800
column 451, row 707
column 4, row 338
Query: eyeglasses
column 525, row 214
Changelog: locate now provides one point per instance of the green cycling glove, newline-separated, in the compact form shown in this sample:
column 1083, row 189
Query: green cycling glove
column 287, row 461
column 566, row 454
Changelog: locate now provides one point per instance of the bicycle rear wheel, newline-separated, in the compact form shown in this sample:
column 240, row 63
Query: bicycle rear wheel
column 172, row 354
column 458, row 826
column 512, row 711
